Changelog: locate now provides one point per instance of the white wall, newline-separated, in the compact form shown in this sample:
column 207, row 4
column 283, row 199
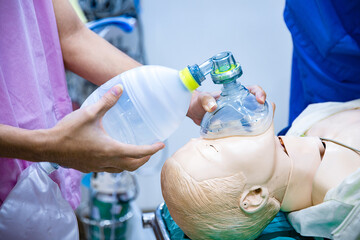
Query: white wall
column 183, row 32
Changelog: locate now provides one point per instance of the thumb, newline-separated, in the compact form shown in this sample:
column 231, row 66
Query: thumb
column 109, row 99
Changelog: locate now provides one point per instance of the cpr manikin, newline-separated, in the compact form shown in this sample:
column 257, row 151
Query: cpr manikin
column 232, row 187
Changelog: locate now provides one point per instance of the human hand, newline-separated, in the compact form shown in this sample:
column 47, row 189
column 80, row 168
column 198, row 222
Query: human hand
column 258, row 92
column 202, row 102
column 79, row 141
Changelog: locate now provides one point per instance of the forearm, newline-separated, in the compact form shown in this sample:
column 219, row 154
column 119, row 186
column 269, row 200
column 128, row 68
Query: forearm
column 78, row 141
column 93, row 58
column 84, row 52
column 21, row 143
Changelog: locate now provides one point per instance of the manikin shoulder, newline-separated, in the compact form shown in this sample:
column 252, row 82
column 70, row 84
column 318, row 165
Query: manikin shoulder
column 343, row 127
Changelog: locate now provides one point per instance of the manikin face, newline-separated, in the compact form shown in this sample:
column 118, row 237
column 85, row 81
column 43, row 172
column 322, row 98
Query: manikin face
column 256, row 157
column 242, row 175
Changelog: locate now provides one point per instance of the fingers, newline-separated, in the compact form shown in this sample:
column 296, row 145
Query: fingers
column 128, row 164
column 208, row 101
column 130, row 157
column 140, row 155
column 201, row 103
column 258, row 92
column 108, row 100
column 216, row 94
column 135, row 151
column 136, row 163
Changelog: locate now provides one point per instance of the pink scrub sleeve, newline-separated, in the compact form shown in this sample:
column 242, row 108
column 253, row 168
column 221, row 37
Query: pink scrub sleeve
column 33, row 91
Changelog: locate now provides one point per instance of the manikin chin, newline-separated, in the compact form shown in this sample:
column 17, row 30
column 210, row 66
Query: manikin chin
column 231, row 188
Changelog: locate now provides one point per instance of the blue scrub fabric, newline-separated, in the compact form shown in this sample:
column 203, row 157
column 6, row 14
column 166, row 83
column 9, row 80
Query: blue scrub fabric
column 326, row 52
column 280, row 228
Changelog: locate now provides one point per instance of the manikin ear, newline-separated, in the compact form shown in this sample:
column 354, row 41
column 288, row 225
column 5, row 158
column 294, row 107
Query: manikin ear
column 254, row 199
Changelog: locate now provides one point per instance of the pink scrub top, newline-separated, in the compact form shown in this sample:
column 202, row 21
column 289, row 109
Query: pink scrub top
column 33, row 91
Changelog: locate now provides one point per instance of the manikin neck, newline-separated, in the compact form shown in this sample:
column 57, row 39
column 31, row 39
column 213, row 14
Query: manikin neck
column 305, row 155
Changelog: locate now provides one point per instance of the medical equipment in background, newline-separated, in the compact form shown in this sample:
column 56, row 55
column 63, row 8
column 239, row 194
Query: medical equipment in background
column 100, row 9
column 155, row 220
column 238, row 112
column 106, row 215
column 96, row 10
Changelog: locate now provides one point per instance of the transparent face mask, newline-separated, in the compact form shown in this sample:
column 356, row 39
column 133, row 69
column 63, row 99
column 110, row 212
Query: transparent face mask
column 238, row 112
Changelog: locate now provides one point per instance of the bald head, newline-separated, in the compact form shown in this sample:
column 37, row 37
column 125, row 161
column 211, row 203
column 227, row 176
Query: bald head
column 210, row 206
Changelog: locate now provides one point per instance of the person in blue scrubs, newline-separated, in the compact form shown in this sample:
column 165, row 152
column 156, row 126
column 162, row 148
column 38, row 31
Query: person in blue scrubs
column 326, row 52
column 325, row 66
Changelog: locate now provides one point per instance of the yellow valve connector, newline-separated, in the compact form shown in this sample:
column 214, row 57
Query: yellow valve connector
column 188, row 80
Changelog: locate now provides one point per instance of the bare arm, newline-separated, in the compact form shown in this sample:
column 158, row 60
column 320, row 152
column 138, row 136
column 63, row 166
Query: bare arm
column 77, row 141
column 84, row 52
column 20, row 143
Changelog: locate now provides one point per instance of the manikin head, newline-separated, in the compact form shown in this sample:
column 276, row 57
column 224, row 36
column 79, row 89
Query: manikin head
column 231, row 188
